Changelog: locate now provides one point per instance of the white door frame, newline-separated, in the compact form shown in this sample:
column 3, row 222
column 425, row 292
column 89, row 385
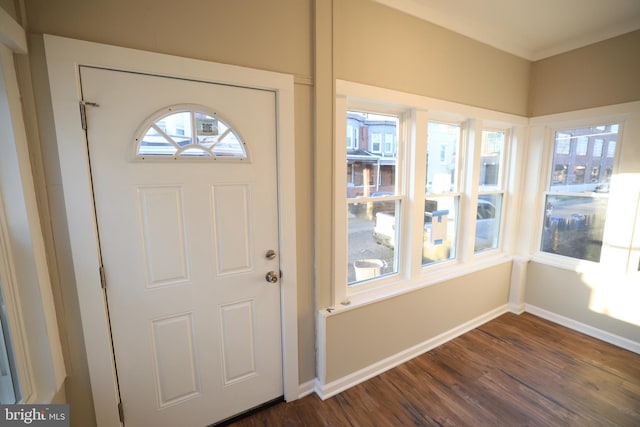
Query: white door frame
column 63, row 57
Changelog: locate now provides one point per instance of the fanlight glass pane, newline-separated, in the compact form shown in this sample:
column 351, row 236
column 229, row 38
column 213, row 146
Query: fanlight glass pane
column 172, row 135
column 153, row 143
column 208, row 129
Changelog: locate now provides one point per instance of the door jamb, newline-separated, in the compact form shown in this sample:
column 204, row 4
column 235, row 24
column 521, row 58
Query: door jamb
column 63, row 57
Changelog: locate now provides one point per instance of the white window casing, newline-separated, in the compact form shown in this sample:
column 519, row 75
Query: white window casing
column 28, row 292
column 416, row 112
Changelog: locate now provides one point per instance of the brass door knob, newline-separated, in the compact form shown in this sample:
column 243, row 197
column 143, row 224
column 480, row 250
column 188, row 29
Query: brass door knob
column 272, row 277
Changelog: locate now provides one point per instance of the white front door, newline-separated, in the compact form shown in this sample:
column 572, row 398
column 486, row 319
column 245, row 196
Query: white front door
column 195, row 325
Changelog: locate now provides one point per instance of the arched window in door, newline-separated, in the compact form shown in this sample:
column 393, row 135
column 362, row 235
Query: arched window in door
column 188, row 132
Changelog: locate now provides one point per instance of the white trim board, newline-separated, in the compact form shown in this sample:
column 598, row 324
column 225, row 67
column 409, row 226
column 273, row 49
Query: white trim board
column 325, row 391
column 63, row 57
column 307, row 388
column 605, row 336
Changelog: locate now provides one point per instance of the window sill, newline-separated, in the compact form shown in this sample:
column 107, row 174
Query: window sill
column 560, row 261
column 429, row 277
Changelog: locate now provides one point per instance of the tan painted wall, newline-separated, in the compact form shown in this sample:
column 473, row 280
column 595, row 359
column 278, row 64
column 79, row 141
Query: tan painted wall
column 371, row 44
column 604, row 73
column 570, row 294
column 249, row 33
column 360, row 337
column 9, row 6
column 599, row 296
column 383, row 47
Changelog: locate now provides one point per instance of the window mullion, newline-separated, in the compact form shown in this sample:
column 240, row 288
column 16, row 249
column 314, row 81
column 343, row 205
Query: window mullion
column 469, row 202
column 417, row 190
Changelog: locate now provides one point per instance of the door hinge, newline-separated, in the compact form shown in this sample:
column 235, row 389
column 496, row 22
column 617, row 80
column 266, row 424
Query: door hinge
column 83, row 112
column 103, row 278
column 121, row 412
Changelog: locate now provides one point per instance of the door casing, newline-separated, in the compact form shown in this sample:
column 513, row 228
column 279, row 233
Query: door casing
column 63, row 56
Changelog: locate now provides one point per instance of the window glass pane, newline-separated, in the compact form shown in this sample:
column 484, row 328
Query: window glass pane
column 443, row 143
column 583, row 159
column 371, row 170
column 488, row 221
column 229, row 146
column 178, row 127
column 154, row 143
column 440, row 229
column 373, row 233
column 174, row 132
column 194, row 151
column 9, row 390
column 574, row 226
column 217, row 136
column 491, row 159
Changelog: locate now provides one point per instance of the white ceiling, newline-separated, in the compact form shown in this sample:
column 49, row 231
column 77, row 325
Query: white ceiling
column 531, row 29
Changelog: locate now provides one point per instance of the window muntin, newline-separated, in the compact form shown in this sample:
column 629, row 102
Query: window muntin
column 374, row 202
column 576, row 202
column 188, row 133
column 490, row 190
column 442, row 194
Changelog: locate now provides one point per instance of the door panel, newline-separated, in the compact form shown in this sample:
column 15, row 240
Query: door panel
column 163, row 238
column 232, row 233
column 195, row 326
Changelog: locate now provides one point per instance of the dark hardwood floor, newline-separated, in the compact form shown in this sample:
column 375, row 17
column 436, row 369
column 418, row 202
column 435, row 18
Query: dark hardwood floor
column 512, row 371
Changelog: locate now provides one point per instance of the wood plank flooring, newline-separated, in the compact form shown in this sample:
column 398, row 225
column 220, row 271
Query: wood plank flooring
column 512, row 371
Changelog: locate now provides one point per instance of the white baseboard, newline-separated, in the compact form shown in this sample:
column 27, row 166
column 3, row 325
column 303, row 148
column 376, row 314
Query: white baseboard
column 307, row 388
column 517, row 308
column 605, row 336
column 325, row 391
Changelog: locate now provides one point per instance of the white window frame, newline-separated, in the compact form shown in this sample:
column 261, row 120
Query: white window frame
column 505, row 173
column 562, row 261
column 418, row 111
column 26, row 282
column 623, row 254
column 459, row 192
column 401, row 194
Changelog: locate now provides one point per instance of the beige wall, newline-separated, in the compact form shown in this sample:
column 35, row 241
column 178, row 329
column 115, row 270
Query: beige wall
column 9, row 6
column 370, row 44
column 383, row 47
column 379, row 46
column 599, row 295
column 358, row 338
column 571, row 294
column 249, row 33
column 604, row 73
